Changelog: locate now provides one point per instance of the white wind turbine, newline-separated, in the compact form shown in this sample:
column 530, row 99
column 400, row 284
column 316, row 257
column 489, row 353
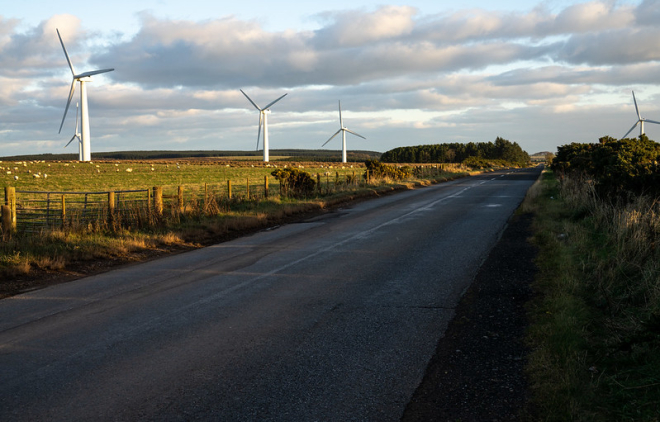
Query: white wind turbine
column 343, row 131
column 84, row 114
column 77, row 135
column 640, row 120
column 263, row 117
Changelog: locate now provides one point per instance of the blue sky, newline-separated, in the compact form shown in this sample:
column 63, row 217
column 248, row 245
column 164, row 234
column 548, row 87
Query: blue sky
column 409, row 73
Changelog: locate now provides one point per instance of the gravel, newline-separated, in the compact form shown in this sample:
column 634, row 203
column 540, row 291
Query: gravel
column 477, row 372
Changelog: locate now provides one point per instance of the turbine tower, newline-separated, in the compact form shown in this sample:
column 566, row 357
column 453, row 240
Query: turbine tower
column 343, row 131
column 263, row 117
column 640, row 120
column 83, row 78
column 76, row 134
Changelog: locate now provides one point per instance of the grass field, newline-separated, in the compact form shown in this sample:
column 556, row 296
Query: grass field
column 123, row 175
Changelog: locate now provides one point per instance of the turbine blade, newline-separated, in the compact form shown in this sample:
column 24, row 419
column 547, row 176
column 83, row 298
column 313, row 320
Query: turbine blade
column 259, row 132
column 73, row 88
column 73, row 72
column 253, row 103
column 336, row 133
column 631, row 129
column 72, row 138
column 636, row 109
column 356, row 134
column 268, row 106
column 341, row 122
column 92, row 73
column 652, row 121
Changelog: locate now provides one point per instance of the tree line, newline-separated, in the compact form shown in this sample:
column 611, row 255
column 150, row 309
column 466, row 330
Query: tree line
column 482, row 154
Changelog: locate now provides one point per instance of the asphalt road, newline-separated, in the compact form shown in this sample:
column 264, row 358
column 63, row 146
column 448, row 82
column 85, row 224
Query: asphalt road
column 334, row 318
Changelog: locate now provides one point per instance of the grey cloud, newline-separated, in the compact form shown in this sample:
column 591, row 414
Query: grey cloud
column 648, row 13
column 248, row 56
column 642, row 73
column 623, row 46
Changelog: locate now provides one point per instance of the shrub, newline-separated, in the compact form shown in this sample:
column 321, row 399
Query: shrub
column 295, row 182
column 379, row 170
column 617, row 168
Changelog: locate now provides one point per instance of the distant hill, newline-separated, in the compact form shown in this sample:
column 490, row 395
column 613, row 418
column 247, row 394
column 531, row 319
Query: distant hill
column 283, row 154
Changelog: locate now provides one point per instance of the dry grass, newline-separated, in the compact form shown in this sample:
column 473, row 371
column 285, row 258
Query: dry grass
column 596, row 322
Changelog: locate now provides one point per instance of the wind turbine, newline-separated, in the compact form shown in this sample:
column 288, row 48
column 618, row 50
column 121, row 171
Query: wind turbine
column 263, row 117
column 83, row 78
column 640, row 120
column 77, row 135
column 343, row 131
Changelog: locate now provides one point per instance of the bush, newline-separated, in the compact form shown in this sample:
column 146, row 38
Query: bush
column 617, row 168
column 380, row 171
column 295, row 182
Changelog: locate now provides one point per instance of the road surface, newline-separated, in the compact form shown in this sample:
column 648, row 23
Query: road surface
column 334, row 318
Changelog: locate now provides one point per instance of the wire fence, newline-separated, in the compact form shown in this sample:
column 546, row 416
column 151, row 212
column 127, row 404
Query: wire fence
column 32, row 212
column 36, row 211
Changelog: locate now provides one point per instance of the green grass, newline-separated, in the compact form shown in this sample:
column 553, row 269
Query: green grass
column 595, row 330
column 117, row 175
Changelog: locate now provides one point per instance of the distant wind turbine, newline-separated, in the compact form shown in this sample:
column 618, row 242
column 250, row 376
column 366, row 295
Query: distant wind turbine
column 343, row 131
column 640, row 120
column 263, row 117
column 84, row 114
column 77, row 135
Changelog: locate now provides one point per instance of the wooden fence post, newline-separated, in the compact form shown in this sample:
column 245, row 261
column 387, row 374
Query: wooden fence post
column 248, row 188
column 158, row 200
column 10, row 201
column 111, row 209
column 180, row 199
column 63, row 211
column 206, row 196
column 229, row 189
column 318, row 182
column 266, row 186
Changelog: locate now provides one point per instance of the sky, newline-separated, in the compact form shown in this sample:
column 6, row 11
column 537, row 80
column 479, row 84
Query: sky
column 542, row 74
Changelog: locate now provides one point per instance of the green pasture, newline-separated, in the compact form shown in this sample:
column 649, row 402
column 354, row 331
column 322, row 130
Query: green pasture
column 74, row 176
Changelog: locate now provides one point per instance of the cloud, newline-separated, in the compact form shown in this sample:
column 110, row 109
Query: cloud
column 623, row 46
column 34, row 53
column 357, row 28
